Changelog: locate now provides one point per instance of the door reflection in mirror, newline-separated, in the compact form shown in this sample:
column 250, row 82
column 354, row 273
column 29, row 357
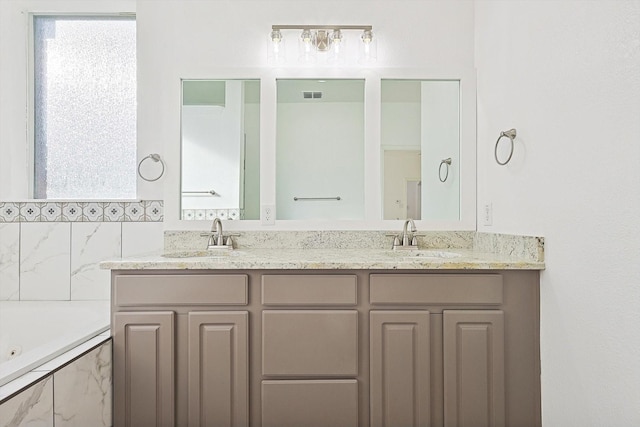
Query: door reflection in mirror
column 420, row 126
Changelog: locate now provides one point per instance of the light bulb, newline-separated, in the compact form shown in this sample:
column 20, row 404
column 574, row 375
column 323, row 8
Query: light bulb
column 276, row 48
column 307, row 49
column 338, row 49
column 368, row 51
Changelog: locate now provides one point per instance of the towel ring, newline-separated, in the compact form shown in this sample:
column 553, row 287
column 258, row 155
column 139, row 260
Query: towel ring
column 511, row 134
column 447, row 163
column 156, row 158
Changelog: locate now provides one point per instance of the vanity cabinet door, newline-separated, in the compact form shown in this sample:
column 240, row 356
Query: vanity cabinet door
column 143, row 369
column 474, row 380
column 400, row 368
column 219, row 369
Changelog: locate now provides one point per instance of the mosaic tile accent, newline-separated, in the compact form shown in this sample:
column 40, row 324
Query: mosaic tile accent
column 72, row 212
column 154, row 210
column 82, row 211
column 51, row 212
column 188, row 214
column 114, row 212
column 211, row 214
column 9, row 212
column 29, row 212
column 134, row 211
column 93, row 211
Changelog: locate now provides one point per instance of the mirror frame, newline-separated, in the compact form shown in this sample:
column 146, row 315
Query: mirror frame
column 372, row 152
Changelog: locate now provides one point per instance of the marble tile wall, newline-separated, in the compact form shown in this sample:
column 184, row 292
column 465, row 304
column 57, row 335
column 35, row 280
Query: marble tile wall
column 77, row 395
column 83, row 391
column 32, row 407
column 51, row 250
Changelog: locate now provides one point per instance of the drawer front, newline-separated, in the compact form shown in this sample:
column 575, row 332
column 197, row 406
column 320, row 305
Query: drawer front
column 310, row 403
column 310, row 343
column 411, row 289
column 200, row 289
column 314, row 290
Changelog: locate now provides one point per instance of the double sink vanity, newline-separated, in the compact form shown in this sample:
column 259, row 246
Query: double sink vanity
column 336, row 330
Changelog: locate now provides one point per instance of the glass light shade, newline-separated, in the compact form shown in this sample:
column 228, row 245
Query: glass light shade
column 337, row 53
column 276, row 48
column 306, row 48
column 368, row 51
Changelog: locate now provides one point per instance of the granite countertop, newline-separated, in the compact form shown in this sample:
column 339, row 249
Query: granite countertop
column 448, row 252
column 327, row 259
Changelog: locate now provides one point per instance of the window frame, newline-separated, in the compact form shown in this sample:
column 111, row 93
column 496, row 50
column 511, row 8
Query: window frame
column 31, row 100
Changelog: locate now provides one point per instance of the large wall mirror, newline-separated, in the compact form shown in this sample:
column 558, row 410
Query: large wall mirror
column 352, row 150
column 320, row 149
column 220, row 135
column 420, row 141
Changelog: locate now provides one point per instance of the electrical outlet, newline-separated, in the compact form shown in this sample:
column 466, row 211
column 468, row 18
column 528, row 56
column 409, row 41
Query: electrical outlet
column 268, row 215
column 487, row 214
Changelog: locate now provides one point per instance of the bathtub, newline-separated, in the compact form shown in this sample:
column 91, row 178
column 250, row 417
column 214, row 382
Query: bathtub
column 34, row 332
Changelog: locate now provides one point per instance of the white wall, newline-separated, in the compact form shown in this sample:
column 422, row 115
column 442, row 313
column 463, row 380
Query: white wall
column 566, row 75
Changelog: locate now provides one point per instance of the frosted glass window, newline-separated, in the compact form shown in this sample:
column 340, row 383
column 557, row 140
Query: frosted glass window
column 85, row 107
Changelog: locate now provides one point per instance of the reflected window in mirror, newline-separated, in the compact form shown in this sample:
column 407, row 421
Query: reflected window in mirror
column 419, row 131
column 320, row 149
column 220, row 147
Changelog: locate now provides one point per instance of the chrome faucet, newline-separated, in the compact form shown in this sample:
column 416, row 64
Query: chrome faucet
column 406, row 240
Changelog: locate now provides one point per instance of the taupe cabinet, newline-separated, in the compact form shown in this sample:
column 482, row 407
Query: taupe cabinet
column 326, row 348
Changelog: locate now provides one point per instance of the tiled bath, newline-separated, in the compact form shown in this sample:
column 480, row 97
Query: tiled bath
column 77, row 394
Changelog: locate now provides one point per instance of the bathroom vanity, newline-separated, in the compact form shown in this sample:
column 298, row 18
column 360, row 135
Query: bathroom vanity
column 326, row 338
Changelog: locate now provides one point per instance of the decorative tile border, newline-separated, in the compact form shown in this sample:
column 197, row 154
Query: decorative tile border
column 82, row 211
column 210, row 214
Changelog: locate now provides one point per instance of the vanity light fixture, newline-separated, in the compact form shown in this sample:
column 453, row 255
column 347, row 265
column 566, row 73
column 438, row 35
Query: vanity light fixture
column 323, row 39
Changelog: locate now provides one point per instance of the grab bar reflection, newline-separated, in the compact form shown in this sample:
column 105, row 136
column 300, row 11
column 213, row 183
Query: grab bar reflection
column 295, row 199
column 209, row 192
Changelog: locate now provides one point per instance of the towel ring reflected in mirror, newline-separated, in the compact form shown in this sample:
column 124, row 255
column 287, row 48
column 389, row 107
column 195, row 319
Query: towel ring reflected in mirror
column 446, row 163
column 511, row 134
column 156, row 158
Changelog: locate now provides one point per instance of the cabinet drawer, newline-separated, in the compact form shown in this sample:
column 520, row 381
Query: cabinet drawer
column 200, row 289
column 312, row 343
column 316, row 290
column 411, row 289
column 310, row 403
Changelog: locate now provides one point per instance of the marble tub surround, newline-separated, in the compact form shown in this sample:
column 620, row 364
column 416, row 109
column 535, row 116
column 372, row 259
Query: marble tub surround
column 326, row 250
column 82, row 390
column 9, row 261
column 60, row 260
column 32, row 407
column 72, row 390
